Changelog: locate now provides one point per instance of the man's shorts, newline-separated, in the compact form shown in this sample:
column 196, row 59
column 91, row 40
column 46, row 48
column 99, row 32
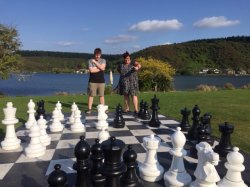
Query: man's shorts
column 96, row 89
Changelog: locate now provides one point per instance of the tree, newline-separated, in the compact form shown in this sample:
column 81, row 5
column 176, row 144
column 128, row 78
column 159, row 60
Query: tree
column 155, row 75
column 9, row 44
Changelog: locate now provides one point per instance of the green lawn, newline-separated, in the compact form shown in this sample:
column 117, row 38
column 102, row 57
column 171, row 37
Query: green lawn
column 231, row 106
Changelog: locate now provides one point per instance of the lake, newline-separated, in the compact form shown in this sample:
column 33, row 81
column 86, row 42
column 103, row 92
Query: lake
column 49, row 84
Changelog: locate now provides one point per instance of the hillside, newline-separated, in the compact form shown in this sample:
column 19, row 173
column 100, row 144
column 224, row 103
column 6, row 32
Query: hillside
column 190, row 57
column 187, row 58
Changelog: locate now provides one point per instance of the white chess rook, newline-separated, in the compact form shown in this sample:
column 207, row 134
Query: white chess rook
column 151, row 170
column 44, row 137
column 56, row 125
column 102, row 117
column 31, row 111
column 35, row 147
column 177, row 176
column 10, row 142
column 205, row 172
column 77, row 126
column 234, row 167
column 59, row 107
column 103, row 135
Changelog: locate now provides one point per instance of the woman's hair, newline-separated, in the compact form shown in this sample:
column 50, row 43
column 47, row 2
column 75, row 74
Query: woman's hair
column 126, row 54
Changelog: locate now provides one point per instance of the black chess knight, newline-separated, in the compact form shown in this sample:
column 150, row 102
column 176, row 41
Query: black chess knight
column 40, row 110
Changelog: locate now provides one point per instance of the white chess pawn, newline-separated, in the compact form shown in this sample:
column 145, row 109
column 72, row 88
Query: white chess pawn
column 31, row 111
column 10, row 142
column 56, row 125
column 234, row 167
column 103, row 135
column 102, row 117
column 44, row 137
column 177, row 175
column 205, row 172
column 35, row 147
column 72, row 116
column 151, row 170
column 59, row 107
column 77, row 126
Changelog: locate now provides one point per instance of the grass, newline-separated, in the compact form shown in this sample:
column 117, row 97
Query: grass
column 231, row 106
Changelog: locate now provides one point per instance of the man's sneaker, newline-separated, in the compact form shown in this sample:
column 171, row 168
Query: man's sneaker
column 88, row 111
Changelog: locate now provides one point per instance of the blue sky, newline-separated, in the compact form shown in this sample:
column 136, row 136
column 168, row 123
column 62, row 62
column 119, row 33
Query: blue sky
column 117, row 26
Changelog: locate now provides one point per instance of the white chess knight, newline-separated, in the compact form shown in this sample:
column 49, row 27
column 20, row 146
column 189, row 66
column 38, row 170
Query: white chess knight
column 102, row 117
column 59, row 107
column 234, row 167
column 151, row 170
column 177, row 176
column 77, row 126
column 205, row 172
column 10, row 142
column 44, row 137
column 56, row 125
column 31, row 111
column 72, row 116
column 103, row 135
column 35, row 147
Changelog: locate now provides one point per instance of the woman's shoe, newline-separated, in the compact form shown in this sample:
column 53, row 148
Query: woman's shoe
column 126, row 111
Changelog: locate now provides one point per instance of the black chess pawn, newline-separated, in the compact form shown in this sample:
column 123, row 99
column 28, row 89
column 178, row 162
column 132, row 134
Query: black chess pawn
column 154, row 122
column 146, row 115
column 97, row 161
column 225, row 146
column 40, row 110
column 206, row 121
column 185, row 126
column 58, row 177
column 130, row 177
column 118, row 121
column 82, row 152
column 192, row 133
column 113, row 166
column 140, row 113
column 201, row 133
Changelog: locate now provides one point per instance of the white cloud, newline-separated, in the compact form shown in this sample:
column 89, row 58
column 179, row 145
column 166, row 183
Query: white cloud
column 155, row 25
column 65, row 43
column 167, row 43
column 84, row 29
column 213, row 22
column 120, row 39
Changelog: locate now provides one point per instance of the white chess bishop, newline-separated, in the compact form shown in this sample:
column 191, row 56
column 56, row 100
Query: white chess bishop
column 205, row 172
column 234, row 167
column 77, row 126
column 103, row 135
column 102, row 117
column 35, row 147
column 44, row 137
column 56, row 125
column 31, row 111
column 72, row 116
column 177, row 176
column 10, row 142
column 151, row 170
column 59, row 107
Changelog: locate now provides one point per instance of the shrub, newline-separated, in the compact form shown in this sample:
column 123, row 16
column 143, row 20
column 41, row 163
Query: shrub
column 155, row 75
column 247, row 86
column 206, row 88
column 229, row 86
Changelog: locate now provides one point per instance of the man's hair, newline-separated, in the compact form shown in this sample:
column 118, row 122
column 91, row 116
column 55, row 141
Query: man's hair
column 97, row 51
column 126, row 54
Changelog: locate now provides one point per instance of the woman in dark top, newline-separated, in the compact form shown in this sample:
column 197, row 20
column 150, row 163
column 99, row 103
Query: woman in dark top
column 128, row 83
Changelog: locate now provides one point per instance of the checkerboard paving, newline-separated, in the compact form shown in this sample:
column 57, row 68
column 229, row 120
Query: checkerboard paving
column 18, row 170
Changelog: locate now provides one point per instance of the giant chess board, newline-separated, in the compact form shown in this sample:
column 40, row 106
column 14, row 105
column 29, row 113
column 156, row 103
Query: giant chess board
column 18, row 170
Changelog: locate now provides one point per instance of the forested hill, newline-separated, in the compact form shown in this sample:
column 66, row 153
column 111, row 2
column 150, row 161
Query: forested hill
column 190, row 57
column 187, row 58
